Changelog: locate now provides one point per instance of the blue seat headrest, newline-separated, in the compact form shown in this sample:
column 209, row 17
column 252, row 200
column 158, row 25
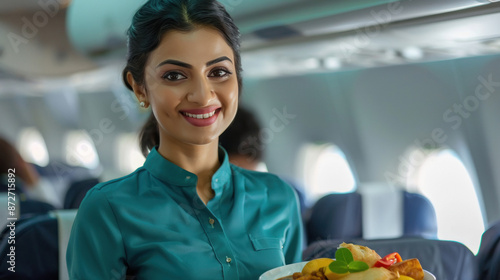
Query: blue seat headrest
column 335, row 216
column 419, row 216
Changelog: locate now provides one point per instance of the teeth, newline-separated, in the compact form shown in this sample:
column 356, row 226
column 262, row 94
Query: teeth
column 200, row 116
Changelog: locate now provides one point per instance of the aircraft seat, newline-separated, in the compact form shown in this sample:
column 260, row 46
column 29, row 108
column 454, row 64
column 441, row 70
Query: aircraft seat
column 488, row 257
column 77, row 191
column 34, row 207
column 300, row 194
column 419, row 216
column 444, row 259
column 357, row 215
column 40, row 248
column 335, row 216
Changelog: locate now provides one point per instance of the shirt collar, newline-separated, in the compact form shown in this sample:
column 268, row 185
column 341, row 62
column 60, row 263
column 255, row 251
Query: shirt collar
column 170, row 173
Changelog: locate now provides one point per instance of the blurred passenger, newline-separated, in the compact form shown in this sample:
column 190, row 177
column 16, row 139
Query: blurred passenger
column 243, row 142
column 187, row 213
column 27, row 179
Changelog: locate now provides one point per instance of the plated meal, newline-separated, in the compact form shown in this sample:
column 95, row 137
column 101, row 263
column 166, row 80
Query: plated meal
column 352, row 262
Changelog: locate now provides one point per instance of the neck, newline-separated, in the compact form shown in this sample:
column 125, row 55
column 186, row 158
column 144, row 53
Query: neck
column 202, row 160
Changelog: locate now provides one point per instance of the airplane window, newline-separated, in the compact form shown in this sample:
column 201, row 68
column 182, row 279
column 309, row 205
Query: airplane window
column 80, row 149
column 32, row 146
column 128, row 153
column 324, row 169
column 443, row 179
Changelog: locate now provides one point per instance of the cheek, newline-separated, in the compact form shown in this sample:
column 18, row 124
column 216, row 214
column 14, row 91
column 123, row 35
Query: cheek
column 233, row 98
column 165, row 97
column 232, row 105
column 230, row 91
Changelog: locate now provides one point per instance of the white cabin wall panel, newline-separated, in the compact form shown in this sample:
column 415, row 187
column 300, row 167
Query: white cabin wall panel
column 479, row 80
column 491, row 120
column 10, row 124
column 103, row 123
column 398, row 107
column 292, row 111
column 51, row 128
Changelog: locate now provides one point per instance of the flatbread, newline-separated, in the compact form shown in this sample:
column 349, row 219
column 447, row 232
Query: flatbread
column 362, row 253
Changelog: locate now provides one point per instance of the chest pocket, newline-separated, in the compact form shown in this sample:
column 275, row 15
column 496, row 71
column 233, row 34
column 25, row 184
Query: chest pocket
column 265, row 243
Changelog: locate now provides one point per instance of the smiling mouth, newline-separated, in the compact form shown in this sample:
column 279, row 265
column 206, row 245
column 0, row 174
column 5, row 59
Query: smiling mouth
column 201, row 116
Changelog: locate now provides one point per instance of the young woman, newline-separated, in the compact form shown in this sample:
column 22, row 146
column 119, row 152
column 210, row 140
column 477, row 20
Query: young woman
column 187, row 213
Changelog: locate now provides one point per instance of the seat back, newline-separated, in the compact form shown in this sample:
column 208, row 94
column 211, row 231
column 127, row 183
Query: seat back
column 358, row 215
column 300, row 194
column 35, row 207
column 77, row 191
column 36, row 254
column 335, row 216
column 488, row 257
column 444, row 259
column 40, row 248
column 419, row 216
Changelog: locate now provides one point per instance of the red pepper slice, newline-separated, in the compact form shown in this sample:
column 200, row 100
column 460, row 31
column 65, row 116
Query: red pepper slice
column 388, row 260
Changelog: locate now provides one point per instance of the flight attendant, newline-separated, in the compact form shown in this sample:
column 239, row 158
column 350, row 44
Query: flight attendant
column 187, row 213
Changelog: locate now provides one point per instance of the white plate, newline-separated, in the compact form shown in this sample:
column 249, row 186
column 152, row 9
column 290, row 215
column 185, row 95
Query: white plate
column 290, row 269
column 282, row 271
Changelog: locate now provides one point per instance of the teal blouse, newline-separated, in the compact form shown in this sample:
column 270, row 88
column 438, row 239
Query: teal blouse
column 152, row 224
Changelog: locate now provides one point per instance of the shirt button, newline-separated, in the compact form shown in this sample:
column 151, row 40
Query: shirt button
column 216, row 180
column 228, row 259
column 211, row 221
column 188, row 177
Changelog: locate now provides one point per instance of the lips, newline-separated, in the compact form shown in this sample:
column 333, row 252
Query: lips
column 201, row 116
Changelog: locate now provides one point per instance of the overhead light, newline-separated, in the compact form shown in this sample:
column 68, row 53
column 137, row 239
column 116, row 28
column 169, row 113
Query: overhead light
column 412, row 53
column 332, row 63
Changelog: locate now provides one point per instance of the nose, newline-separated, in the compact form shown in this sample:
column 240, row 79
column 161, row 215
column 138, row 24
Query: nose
column 201, row 93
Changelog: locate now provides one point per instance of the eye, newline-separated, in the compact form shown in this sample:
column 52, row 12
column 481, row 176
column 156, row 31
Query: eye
column 173, row 76
column 219, row 73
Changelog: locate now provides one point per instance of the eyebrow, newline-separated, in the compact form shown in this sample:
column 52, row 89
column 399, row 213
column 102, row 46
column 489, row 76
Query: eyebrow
column 186, row 65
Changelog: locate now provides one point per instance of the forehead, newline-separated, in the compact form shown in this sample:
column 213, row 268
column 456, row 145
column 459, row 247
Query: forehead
column 194, row 47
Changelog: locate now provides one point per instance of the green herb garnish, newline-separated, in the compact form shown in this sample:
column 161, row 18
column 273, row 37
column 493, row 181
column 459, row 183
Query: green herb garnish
column 344, row 263
column 357, row 266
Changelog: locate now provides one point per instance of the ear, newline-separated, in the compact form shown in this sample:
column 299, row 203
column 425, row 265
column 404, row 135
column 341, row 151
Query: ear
column 139, row 90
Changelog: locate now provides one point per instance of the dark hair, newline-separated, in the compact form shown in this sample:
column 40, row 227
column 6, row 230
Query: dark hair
column 242, row 137
column 155, row 18
column 11, row 159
